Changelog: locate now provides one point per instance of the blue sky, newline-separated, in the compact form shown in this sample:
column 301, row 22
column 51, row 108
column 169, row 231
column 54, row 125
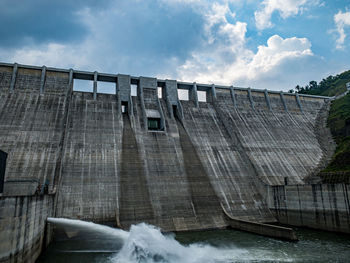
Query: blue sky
column 273, row 44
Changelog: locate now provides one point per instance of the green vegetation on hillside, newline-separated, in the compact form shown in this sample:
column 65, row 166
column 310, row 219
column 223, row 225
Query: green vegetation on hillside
column 331, row 86
column 338, row 121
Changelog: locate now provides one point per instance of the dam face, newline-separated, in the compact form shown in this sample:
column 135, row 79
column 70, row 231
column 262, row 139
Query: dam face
column 149, row 158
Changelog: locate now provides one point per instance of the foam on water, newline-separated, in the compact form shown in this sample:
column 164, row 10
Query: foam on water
column 147, row 244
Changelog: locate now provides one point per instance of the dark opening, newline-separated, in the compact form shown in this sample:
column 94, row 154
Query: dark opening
column 175, row 111
column 124, row 106
column 153, row 124
column 3, row 157
column 285, row 180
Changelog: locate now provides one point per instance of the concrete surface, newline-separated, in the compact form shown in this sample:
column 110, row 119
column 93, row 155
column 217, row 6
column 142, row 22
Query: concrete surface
column 105, row 165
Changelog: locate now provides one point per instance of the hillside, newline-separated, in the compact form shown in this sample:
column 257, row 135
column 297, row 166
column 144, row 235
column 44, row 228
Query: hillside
column 338, row 121
column 331, row 86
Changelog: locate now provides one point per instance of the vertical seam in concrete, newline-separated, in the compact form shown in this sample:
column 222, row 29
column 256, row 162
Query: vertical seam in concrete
column 194, row 94
column 63, row 142
column 162, row 118
column 233, row 96
column 143, row 108
column 95, row 85
column 180, row 109
column 13, row 78
column 131, row 107
column 298, row 102
column 335, row 205
column 118, row 100
column 213, row 92
column 251, row 98
column 283, row 101
column 300, row 210
column 267, row 99
column 42, row 80
column 170, row 111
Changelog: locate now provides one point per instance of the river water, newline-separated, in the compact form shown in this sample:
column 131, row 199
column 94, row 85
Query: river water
column 77, row 241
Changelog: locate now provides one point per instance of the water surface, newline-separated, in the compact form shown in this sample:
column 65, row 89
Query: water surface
column 146, row 244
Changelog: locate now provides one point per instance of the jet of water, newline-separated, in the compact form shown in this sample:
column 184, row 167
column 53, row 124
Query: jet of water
column 79, row 224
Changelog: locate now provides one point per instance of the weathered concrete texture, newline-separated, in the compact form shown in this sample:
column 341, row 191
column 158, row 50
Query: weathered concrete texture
column 231, row 176
column 175, row 203
column 108, row 166
column 135, row 204
column 280, row 144
column 31, row 125
column 326, row 142
column 317, row 206
column 89, row 187
column 22, row 227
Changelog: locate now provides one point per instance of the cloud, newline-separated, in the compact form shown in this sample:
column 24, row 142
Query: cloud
column 341, row 21
column 134, row 37
column 37, row 21
column 186, row 40
column 285, row 8
column 224, row 58
column 277, row 50
column 52, row 55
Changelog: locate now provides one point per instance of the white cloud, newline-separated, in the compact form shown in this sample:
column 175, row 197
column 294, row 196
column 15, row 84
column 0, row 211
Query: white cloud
column 52, row 54
column 220, row 55
column 285, row 8
column 277, row 50
column 223, row 58
column 341, row 21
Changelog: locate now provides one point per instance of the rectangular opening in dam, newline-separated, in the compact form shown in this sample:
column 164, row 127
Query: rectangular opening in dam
column 202, row 96
column 3, row 157
column 133, row 90
column 153, row 124
column 83, row 85
column 106, row 87
column 160, row 92
column 183, row 94
column 175, row 111
column 124, row 106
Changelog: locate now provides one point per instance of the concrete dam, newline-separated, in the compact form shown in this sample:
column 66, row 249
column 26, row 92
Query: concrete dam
column 174, row 161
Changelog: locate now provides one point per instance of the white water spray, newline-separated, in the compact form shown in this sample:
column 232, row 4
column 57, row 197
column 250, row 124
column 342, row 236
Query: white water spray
column 146, row 244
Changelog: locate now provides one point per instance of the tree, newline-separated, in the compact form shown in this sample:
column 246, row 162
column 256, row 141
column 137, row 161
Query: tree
column 313, row 85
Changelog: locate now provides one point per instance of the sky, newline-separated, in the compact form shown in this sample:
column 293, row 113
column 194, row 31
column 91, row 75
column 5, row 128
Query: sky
column 272, row 44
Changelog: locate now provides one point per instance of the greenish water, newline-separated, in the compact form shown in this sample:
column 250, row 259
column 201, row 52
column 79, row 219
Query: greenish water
column 146, row 244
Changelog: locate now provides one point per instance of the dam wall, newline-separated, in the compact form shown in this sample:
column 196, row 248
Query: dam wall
column 172, row 155
column 32, row 113
column 22, row 226
column 319, row 206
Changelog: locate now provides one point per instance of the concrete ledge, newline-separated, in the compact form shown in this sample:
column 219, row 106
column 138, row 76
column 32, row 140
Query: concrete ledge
column 20, row 188
column 278, row 232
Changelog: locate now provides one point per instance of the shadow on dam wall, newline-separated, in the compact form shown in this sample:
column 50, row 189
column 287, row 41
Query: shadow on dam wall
column 135, row 204
column 204, row 199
